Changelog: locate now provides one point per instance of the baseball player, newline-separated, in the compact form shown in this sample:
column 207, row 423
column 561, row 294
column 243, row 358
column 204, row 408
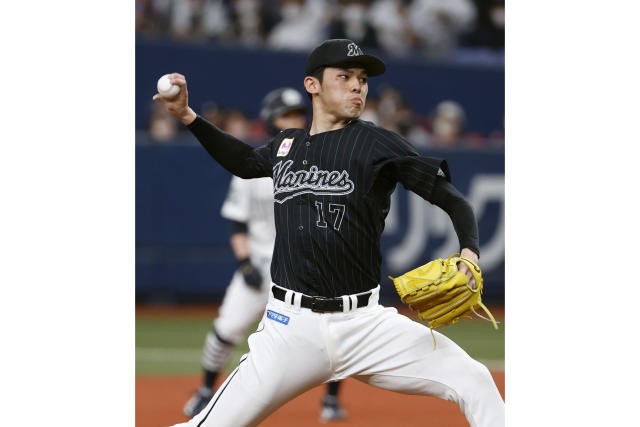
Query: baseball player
column 249, row 209
column 332, row 184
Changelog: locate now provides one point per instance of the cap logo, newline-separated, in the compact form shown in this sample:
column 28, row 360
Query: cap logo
column 354, row 50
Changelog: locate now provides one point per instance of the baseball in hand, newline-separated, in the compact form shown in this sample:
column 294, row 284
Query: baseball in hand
column 166, row 89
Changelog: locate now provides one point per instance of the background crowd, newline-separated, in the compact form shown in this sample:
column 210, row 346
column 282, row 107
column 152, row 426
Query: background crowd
column 436, row 30
column 433, row 28
column 444, row 128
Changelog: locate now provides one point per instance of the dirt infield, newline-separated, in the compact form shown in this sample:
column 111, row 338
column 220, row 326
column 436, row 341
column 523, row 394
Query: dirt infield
column 159, row 402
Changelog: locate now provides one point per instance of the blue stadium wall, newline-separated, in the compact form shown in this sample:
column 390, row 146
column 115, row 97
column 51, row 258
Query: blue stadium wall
column 182, row 242
column 235, row 77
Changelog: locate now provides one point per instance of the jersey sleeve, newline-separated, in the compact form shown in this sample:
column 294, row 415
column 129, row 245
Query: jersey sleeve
column 397, row 161
column 236, row 206
column 450, row 200
column 234, row 155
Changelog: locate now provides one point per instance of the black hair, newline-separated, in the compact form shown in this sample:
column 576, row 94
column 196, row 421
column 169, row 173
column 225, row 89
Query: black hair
column 317, row 73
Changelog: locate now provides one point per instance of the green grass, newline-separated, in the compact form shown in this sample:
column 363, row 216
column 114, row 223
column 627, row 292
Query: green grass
column 173, row 345
column 171, row 332
column 479, row 339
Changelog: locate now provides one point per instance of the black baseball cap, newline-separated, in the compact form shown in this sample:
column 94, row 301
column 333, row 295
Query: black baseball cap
column 343, row 52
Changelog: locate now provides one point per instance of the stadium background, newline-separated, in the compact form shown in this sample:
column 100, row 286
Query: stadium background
column 182, row 252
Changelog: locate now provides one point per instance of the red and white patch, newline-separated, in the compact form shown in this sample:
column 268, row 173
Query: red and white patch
column 285, row 146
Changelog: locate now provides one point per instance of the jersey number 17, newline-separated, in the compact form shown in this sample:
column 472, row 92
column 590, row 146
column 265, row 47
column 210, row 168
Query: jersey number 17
column 336, row 213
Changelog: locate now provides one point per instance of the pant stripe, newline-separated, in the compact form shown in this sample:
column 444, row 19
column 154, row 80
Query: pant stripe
column 221, row 391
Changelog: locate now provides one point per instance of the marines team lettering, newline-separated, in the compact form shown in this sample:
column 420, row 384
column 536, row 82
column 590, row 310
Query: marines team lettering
column 288, row 183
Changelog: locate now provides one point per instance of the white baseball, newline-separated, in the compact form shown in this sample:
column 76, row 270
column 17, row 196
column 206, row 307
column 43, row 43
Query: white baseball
column 166, row 89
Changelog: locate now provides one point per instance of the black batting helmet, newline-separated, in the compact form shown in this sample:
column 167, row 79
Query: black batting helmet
column 278, row 102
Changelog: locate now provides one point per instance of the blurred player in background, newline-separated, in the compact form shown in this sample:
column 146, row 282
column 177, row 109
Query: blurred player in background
column 249, row 208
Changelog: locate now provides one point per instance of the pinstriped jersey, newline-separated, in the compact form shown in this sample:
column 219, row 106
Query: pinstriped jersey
column 331, row 196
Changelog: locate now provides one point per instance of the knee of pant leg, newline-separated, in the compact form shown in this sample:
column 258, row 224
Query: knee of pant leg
column 231, row 341
column 215, row 339
column 228, row 333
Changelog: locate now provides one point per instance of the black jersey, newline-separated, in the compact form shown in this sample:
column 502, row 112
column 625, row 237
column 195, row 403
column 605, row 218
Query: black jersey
column 332, row 193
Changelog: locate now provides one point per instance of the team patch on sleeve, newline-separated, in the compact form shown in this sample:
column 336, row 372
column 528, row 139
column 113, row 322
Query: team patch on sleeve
column 273, row 315
column 285, row 146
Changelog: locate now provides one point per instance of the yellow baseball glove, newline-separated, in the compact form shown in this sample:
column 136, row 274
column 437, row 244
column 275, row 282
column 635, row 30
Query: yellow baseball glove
column 440, row 293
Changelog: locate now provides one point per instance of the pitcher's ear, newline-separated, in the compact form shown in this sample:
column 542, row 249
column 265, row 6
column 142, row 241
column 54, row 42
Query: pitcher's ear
column 312, row 84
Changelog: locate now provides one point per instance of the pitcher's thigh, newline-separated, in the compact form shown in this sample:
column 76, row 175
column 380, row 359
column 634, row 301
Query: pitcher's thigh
column 408, row 363
column 283, row 362
column 244, row 400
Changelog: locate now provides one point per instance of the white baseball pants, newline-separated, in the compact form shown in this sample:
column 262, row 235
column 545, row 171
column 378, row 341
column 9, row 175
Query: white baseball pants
column 295, row 349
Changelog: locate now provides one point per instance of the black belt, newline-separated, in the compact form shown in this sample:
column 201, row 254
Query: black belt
column 322, row 304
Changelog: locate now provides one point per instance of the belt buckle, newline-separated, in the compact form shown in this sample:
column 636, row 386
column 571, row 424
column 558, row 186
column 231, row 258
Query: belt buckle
column 316, row 303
